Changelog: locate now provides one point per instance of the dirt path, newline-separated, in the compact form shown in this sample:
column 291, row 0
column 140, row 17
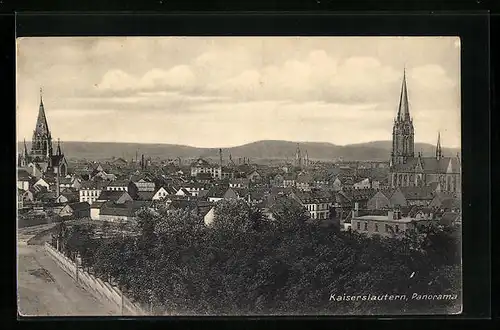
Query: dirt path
column 44, row 289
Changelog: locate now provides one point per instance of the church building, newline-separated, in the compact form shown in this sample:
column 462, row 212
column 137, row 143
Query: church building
column 301, row 161
column 41, row 159
column 410, row 170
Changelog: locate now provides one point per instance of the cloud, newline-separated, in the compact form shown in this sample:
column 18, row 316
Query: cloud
column 432, row 76
column 330, row 89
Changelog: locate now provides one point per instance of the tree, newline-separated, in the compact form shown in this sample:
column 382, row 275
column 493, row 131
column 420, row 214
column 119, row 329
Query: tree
column 235, row 215
column 289, row 213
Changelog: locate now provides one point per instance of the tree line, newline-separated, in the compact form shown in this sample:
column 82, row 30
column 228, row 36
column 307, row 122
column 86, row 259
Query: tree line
column 245, row 264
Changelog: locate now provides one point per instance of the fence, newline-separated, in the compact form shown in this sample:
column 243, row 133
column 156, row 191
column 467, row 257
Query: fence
column 102, row 288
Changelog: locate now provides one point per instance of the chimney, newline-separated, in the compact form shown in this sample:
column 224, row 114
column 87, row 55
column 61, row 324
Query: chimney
column 142, row 161
column 220, row 157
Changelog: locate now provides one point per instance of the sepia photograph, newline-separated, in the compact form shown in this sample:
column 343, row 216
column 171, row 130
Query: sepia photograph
column 238, row 176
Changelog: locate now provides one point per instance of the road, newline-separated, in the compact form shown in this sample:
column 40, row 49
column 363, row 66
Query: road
column 44, row 289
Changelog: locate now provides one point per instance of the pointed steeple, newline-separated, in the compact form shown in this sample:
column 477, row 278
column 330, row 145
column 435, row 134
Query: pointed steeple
column 42, row 127
column 25, row 149
column 404, row 109
column 439, row 152
column 59, row 152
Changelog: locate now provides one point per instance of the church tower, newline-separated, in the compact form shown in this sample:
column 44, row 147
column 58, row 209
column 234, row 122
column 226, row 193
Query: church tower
column 41, row 148
column 403, row 132
column 298, row 158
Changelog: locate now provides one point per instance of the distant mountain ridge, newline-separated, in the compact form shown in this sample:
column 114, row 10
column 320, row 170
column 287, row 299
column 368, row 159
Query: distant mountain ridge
column 268, row 149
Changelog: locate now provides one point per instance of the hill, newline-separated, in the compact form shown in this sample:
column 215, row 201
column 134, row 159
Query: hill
column 269, row 149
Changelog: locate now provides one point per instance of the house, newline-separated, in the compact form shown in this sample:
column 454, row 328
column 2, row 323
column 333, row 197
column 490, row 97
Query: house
column 227, row 173
column 65, row 183
column 358, row 197
column 398, row 199
column 145, row 195
column 440, row 198
column 231, row 193
column 304, row 181
column 160, row 193
column 216, row 193
column 390, row 225
column 95, row 210
column 239, row 183
column 381, row 200
column 142, row 184
column 76, row 210
column 118, row 212
column 118, row 197
column 255, row 196
column 254, row 176
column 90, row 191
column 118, row 185
column 337, row 184
column 68, row 196
column 277, row 180
column 317, row 203
column 418, row 195
column 193, row 188
column 362, row 184
column 46, row 197
column 202, row 166
column 204, row 178
column 289, row 180
column 23, row 179
column 183, row 192
column 101, row 172
column 43, row 183
column 209, row 216
column 28, row 197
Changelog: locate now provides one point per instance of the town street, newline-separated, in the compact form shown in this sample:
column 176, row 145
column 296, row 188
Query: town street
column 44, row 289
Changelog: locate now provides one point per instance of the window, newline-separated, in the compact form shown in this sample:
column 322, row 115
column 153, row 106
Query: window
column 376, row 227
column 366, row 226
column 359, row 225
column 387, row 228
column 397, row 229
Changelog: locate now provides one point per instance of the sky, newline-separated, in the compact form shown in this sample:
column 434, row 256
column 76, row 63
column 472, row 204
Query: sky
column 228, row 91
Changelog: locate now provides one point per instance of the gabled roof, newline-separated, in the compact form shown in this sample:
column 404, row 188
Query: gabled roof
column 111, row 195
column 217, row 191
column 417, row 193
column 145, row 195
column 119, row 183
column 94, row 184
column 23, row 175
column 310, row 197
column 79, row 206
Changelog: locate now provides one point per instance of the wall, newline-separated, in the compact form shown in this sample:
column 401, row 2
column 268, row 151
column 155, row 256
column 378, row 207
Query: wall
column 100, row 288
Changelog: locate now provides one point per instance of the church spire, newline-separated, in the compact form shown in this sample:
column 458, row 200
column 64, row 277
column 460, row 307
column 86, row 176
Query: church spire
column 439, row 152
column 42, row 128
column 59, row 152
column 403, row 110
column 25, row 149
